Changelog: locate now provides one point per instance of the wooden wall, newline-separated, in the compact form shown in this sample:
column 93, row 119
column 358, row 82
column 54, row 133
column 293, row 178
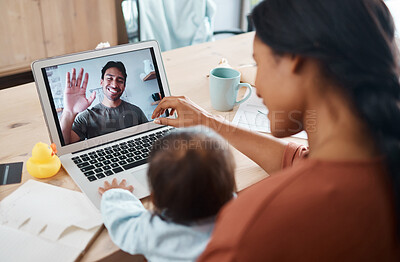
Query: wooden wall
column 35, row 29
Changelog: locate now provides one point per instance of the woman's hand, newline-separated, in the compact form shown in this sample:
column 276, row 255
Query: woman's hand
column 265, row 151
column 189, row 114
column 114, row 184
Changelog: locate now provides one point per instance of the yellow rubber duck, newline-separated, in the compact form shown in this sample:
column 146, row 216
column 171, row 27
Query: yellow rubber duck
column 44, row 163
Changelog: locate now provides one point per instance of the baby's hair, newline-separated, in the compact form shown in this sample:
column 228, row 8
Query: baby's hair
column 191, row 175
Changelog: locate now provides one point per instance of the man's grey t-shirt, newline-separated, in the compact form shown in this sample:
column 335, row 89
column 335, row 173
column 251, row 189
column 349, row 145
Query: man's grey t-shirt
column 100, row 120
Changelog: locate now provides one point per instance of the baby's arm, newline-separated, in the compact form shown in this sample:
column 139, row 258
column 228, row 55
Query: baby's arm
column 126, row 220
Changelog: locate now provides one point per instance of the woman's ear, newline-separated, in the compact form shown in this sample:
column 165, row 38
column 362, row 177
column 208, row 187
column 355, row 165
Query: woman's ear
column 297, row 63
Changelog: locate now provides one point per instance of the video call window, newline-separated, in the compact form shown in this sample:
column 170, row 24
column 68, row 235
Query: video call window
column 137, row 96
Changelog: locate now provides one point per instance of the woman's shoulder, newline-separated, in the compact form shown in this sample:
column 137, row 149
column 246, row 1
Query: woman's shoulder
column 310, row 180
column 304, row 203
column 251, row 201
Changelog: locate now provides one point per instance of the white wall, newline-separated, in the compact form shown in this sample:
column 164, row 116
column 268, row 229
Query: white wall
column 227, row 15
column 394, row 7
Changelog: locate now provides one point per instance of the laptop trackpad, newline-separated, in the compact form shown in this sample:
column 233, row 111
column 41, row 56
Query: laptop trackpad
column 138, row 179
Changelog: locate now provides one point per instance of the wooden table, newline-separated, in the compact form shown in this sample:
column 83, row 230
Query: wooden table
column 22, row 123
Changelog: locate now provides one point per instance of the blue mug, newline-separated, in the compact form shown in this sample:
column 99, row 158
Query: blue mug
column 224, row 86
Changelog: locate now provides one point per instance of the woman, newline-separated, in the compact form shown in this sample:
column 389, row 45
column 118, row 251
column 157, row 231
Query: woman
column 331, row 66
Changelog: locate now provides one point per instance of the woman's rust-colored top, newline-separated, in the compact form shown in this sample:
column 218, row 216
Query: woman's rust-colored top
column 312, row 210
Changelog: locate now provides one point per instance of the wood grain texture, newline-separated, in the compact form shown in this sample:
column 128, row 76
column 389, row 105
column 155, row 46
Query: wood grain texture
column 21, row 39
column 36, row 29
column 75, row 25
column 21, row 126
column 22, row 123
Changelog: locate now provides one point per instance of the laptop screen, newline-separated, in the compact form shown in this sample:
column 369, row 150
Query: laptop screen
column 98, row 96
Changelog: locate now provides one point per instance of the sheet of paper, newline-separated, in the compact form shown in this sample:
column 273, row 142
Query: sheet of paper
column 20, row 246
column 52, row 213
column 252, row 114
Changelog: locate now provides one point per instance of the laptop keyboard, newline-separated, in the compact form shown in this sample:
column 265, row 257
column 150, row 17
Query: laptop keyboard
column 113, row 159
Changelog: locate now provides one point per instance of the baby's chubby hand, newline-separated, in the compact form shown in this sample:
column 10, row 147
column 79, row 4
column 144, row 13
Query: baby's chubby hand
column 115, row 184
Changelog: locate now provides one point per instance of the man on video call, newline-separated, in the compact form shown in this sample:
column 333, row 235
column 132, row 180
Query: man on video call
column 110, row 115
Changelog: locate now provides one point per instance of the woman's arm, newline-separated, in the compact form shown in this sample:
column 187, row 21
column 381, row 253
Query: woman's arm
column 266, row 151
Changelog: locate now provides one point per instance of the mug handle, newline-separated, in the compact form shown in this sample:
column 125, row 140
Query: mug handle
column 248, row 95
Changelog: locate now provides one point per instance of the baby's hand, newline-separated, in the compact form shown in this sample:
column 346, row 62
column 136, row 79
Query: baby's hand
column 114, row 184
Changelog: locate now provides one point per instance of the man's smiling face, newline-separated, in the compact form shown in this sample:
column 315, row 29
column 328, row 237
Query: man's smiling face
column 113, row 83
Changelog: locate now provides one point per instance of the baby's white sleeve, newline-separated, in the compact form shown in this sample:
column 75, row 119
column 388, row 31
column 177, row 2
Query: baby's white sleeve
column 126, row 219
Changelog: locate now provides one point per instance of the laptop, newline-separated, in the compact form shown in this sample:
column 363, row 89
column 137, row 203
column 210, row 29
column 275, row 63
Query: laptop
column 97, row 106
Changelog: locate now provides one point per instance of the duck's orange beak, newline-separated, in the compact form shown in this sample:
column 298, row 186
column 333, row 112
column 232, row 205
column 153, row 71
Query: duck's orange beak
column 54, row 148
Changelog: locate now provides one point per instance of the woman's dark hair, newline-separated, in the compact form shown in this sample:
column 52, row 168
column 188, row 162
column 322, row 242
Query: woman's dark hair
column 354, row 42
column 191, row 175
column 117, row 64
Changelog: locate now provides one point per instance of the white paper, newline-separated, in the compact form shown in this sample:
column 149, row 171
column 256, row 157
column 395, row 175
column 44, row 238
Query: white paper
column 252, row 114
column 51, row 215
column 17, row 245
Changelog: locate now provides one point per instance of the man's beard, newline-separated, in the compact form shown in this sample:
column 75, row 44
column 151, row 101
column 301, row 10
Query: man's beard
column 110, row 97
column 115, row 98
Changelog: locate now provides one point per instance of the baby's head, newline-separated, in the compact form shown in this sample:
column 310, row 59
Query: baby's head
column 191, row 175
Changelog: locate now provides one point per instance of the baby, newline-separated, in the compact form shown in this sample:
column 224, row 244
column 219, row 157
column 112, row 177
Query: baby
column 191, row 176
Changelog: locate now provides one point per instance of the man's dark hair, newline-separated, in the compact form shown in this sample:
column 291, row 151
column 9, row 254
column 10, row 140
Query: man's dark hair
column 116, row 64
column 191, row 175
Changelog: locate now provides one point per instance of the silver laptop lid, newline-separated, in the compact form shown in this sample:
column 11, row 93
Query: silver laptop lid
column 145, row 84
